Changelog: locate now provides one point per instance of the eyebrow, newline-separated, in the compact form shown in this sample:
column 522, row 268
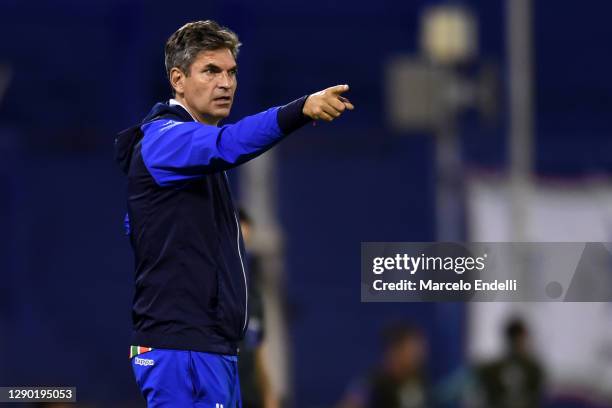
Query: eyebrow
column 213, row 66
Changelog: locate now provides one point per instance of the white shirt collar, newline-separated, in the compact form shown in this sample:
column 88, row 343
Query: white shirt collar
column 173, row 102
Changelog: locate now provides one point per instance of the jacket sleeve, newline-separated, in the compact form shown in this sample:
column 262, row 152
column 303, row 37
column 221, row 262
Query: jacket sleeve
column 178, row 151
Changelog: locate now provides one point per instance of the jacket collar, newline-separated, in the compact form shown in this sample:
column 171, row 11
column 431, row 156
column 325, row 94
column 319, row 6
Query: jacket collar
column 166, row 110
column 174, row 102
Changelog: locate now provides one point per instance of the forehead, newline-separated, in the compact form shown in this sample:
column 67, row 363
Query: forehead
column 222, row 58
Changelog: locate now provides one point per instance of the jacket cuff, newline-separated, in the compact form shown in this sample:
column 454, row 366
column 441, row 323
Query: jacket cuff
column 290, row 116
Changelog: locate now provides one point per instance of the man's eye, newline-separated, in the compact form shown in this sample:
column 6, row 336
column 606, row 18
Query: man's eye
column 233, row 72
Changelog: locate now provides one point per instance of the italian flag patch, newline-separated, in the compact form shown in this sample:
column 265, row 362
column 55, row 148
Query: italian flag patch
column 136, row 350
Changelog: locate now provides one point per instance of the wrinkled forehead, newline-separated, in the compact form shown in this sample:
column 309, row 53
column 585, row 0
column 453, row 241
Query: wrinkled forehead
column 221, row 58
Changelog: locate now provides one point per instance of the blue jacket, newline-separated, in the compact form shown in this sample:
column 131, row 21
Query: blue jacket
column 191, row 278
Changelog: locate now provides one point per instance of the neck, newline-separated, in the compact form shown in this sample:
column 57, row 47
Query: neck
column 207, row 119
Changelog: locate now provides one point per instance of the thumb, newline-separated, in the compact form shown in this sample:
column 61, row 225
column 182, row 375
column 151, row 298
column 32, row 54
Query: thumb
column 338, row 89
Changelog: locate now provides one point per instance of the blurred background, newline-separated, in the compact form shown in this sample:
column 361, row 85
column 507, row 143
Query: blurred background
column 475, row 120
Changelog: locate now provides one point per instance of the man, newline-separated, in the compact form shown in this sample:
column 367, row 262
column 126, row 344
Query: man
column 398, row 381
column 516, row 380
column 190, row 305
column 253, row 368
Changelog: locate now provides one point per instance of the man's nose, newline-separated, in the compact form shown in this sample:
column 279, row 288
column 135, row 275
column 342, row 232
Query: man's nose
column 225, row 81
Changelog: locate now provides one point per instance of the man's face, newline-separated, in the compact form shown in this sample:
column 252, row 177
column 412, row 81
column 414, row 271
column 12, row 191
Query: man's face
column 245, row 228
column 408, row 356
column 209, row 89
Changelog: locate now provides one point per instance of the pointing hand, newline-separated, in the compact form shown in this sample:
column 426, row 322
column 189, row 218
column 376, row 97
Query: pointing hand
column 327, row 104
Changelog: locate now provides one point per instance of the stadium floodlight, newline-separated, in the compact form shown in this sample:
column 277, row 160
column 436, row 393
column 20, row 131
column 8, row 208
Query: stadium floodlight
column 449, row 34
column 428, row 92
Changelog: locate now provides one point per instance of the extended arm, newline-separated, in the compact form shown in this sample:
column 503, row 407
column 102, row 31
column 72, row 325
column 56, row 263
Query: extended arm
column 175, row 151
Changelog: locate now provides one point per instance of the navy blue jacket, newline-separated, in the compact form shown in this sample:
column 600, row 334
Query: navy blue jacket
column 191, row 282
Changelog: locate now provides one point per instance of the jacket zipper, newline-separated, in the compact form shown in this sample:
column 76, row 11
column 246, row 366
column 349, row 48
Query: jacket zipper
column 246, row 290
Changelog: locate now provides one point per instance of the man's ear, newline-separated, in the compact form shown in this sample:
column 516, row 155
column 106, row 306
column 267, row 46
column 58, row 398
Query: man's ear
column 177, row 79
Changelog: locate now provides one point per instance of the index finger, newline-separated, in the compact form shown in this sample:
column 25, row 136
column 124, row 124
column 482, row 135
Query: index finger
column 338, row 89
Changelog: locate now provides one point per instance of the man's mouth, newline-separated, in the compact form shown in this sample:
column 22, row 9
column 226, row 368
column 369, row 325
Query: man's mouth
column 226, row 99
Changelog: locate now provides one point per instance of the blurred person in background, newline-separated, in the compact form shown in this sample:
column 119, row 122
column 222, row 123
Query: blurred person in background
column 399, row 380
column 255, row 383
column 517, row 379
column 190, row 307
